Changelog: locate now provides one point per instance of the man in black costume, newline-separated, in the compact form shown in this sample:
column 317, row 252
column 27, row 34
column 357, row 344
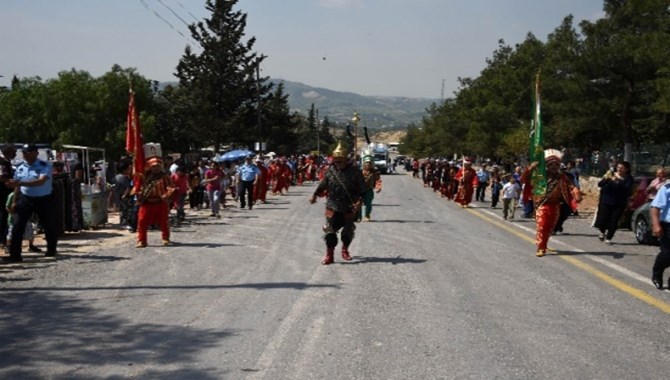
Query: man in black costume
column 344, row 187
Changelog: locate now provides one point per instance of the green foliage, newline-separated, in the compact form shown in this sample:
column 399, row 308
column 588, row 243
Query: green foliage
column 74, row 109
column 222, row 82
column 221, row 99
column 609, row 85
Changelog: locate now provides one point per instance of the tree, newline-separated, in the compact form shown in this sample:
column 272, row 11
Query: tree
column 222, row 81
column 626, row 51
column 280, row 126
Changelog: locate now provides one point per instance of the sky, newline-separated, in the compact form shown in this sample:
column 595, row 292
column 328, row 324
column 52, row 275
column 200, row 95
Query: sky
column 408, row 48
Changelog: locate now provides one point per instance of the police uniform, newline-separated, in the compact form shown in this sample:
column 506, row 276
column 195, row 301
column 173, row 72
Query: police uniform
column 662, row 203
column 34, row 199
column 248, row 173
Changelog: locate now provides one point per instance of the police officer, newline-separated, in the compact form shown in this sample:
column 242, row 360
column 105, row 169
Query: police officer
column 248, row 174
column 33, row 185
column 660, row 224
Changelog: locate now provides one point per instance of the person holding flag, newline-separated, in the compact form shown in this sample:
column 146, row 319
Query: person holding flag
column 154, row 196
column 550, row 187
column 559, row 189
column 134, row 142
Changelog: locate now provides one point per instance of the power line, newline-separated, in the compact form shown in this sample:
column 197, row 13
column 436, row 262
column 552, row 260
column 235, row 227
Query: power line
column 191, row 14
column 173, row 12
column 166, row 21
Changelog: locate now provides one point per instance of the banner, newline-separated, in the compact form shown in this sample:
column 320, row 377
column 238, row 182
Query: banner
column 539, row 176
column 134, row 141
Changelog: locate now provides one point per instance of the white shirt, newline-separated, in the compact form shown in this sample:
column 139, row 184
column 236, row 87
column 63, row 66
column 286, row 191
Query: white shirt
column 510, row 191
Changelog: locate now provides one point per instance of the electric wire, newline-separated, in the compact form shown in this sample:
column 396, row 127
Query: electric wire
column 173, row 12
column 191, row 14
column 148, row 8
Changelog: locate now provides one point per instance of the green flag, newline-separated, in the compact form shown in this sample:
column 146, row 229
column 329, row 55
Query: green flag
column 539, row 177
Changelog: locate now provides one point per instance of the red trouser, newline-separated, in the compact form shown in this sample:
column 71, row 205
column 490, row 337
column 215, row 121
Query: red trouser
column 546, row 217
column 152, row 213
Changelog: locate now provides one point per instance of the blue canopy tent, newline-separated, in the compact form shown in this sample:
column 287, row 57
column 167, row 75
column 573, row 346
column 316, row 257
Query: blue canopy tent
column 234, row 155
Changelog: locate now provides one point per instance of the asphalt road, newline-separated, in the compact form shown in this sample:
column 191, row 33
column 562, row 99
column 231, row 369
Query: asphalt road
column 434, row 292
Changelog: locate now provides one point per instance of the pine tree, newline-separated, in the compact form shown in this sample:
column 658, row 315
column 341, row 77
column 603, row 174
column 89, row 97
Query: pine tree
column 222, row 81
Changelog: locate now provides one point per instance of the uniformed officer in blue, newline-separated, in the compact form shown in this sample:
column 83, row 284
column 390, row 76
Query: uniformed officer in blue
column 34, row 194
column 660, row 226
column 248, row 174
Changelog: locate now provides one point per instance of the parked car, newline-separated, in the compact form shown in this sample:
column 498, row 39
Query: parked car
column 637, row 198
column 640, row 223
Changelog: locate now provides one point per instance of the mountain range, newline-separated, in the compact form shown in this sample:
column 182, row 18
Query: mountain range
column 376, row 112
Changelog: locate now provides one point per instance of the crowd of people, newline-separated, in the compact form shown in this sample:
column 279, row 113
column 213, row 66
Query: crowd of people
column 557, row 198
column 170, row 185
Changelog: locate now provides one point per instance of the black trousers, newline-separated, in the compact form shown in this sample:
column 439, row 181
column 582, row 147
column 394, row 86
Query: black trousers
column 248, row 188
column 481, row 191
column 4, row 216
column 607, row 219
column 336, row 222
column 45, row 209
column 663, row 258
column 563, row 215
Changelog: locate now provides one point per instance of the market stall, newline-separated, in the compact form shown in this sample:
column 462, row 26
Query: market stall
column 88, row 166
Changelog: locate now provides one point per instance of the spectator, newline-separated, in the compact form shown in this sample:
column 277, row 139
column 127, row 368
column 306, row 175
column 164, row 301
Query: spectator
column 615, row 188
column 182, row 189
column 6, row 174
column 248, row 175
column 483, row 178
column 122, row 194
column 510, row 195
column 656, row 183
column 33, row 179
column 28, row 233
column 212, row 182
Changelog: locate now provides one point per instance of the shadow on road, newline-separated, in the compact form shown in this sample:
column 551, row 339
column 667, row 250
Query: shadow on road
column 253, row 285
column 203, row 245
column 384, row 260
column 46, row 335
column 614, row 255
column 402, row 221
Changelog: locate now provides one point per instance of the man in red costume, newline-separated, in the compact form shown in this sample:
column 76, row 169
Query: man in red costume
column 547, row 205
column 301, row 170
column 153, row 197
column 261, row 187
column 278, row 177
column 467, row 182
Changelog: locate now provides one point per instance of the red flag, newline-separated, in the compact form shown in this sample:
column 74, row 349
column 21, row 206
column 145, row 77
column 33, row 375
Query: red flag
column 134, row 143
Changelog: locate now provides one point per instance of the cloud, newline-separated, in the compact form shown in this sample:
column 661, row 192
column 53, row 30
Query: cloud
column 341, row 3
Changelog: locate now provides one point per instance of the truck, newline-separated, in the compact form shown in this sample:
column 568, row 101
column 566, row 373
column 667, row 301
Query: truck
column 380, row 156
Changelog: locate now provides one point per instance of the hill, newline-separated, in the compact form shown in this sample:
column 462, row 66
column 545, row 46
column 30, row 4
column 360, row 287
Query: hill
column 377, row 112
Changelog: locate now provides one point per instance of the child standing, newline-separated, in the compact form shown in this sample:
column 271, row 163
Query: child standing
column 28, row 234
column 496, row 187
column 510, row 194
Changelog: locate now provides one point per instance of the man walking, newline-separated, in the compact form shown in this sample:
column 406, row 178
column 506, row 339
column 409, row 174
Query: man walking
column 483, row 182
column 32, row 185
column 248, row 174
column 660, row 226
column 344, row 187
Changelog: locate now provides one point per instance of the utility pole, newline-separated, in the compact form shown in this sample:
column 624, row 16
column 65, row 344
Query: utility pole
column 318, row 133
column 258, row 94
column 356, row 119
column 442, row 93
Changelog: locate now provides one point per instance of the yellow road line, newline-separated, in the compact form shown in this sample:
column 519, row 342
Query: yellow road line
column 635, row 292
